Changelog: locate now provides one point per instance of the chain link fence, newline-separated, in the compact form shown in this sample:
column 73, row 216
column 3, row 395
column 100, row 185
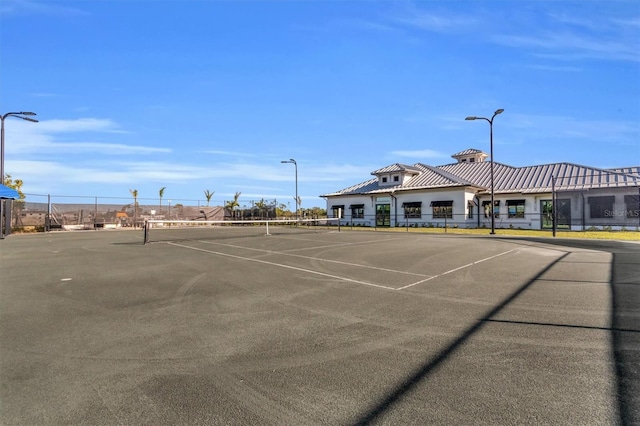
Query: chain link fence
column 38, row 212
column 574, row 210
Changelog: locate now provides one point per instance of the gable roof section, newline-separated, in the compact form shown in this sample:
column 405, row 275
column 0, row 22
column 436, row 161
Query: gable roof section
column 436, row 176
column 628, row 170
column 397, row 167
column 365, row 187
column 479, row 174
column 427, row 177
column 568, row 177
column 467, row 152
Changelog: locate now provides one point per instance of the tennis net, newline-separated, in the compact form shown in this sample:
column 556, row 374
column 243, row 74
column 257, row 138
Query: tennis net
column 183, row 230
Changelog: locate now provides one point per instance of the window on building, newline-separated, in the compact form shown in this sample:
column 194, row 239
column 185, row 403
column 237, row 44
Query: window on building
column 632, row 205
column 412, row 210
column 470, row 207
column 601, row 207
column 515, row 209
column 442, row 209
column 357, row 211
column 384, row 180
column 396, row 178
column 472, row 160
column 486, row 207
column 338, row 211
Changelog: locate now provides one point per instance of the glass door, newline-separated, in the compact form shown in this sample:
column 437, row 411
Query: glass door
column 383, row 214
column 563, row 214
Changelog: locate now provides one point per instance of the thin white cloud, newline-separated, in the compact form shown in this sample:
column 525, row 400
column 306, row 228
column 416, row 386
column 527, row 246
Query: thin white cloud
column 420, row 154
column 78, row 125
column 571, row 46
column 252, row 179
column 631, row 22
column 550, row 33
column 230, row 153
column 554, row 68
column 107, row 148
column 29, row 7
column 434, row 22
column 575, row 21
column 44, row 95
column 41, row 138
column 571, row 128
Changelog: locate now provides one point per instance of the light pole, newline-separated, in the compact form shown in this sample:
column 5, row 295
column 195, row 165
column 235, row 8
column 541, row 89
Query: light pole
column 498, row 111
column 292, row 161
column 5, row 222
column 23, row 115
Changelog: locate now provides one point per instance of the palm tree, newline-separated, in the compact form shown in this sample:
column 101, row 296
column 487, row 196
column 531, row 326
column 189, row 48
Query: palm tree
column 134, row 193
column 18, row 205
column 161, row 193
column 208, row 194
column 298, row 201
column 231, row 205
column 261, row 206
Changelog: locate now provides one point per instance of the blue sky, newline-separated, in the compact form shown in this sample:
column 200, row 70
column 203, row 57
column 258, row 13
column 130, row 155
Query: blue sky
column 212, row 95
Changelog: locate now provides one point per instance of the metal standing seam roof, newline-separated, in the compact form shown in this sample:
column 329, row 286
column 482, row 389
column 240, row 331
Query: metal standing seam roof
column 628, row 170
column 397, row 167
column 507, row 179
column 468, row 152
column 427, row 177
column 479, row 174
column 365, row 187
column 569, row 176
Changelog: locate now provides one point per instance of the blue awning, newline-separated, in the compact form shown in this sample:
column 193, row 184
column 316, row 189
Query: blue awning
column 6, row 192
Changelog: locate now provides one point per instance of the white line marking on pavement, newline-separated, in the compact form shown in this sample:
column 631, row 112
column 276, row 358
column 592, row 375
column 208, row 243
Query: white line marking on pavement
column 457, row 269
column 285, row 266
column 318, row 258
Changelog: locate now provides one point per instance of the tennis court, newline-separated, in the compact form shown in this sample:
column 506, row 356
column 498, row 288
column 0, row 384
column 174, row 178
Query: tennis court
column 318, row 327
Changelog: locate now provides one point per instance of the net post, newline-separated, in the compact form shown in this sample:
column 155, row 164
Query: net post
column 145, row 239
column 267, row 222
column 338, row 225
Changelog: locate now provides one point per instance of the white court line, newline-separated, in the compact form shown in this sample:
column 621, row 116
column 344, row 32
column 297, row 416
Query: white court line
column 285, row 266
column 458, row 268
column 317, row 258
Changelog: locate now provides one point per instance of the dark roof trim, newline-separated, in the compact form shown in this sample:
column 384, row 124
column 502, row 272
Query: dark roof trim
column 441, row 203
column 412, row 204
column 356, row 206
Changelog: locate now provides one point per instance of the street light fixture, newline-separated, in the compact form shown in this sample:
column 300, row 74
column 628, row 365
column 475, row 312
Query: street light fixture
column 292, row 161
column 23, row 115
column 490, row 121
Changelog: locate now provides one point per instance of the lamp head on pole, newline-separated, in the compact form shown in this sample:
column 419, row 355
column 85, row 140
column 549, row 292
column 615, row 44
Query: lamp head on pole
column 471, row 118
column 499, row 111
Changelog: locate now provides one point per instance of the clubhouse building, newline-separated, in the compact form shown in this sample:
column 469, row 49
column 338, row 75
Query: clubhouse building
column 459, row 195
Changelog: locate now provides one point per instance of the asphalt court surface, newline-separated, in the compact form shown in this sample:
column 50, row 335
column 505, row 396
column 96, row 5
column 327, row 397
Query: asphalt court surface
column 328, row 328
